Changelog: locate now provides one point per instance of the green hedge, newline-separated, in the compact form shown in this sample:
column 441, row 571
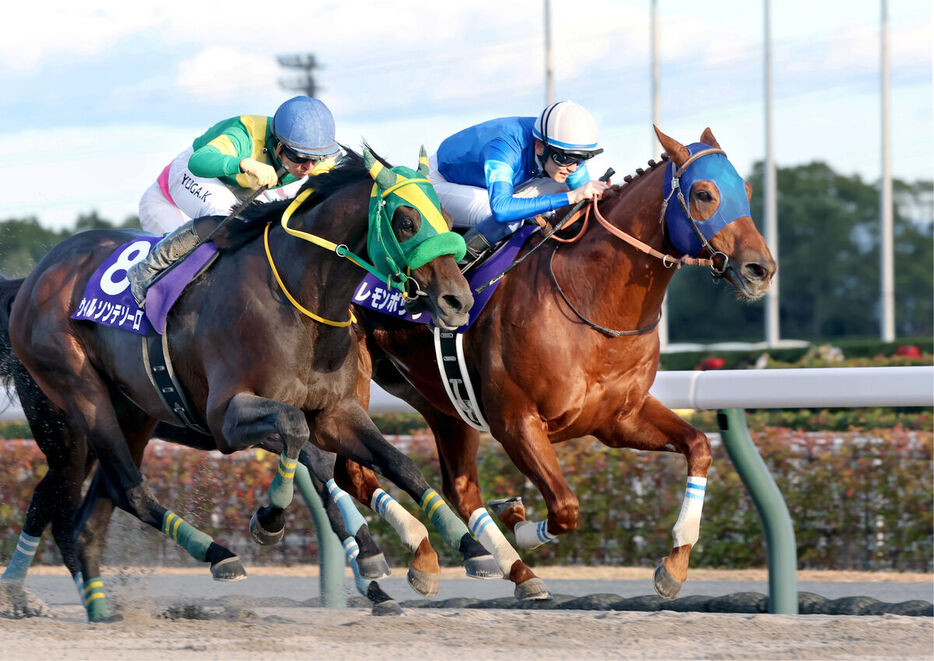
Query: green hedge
column 842, row 353
column 858, row 499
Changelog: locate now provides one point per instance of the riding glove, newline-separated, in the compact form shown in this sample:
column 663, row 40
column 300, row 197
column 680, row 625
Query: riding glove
column 259, row 174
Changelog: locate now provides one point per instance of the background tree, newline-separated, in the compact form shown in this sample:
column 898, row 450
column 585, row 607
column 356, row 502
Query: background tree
column 828, row 227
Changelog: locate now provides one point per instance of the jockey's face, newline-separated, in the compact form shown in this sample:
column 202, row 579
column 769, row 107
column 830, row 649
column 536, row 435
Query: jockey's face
column 559, row 173
column 300, row 167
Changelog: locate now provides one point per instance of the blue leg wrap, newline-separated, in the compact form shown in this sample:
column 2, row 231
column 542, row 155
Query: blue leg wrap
column 353, row 520
column 22, row 558
column 352, row 550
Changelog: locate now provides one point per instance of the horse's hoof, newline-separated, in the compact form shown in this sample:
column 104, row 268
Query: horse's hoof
column 375, row 566
column 107, row 619
column 424, row 583
column 532, row 590
column 228, row 569
column 390, row 607
column 262, row 536
column 501, row 505
column 666, row 585
column 482, row 566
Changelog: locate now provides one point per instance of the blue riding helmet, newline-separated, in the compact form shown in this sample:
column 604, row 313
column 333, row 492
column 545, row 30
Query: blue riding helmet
column 733, row 201
column 306, row 126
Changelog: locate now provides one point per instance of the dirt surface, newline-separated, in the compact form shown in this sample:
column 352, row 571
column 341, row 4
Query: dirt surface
column 244, row 630
column 578, row 573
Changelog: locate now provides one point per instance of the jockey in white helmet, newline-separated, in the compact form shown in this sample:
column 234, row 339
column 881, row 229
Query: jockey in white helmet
column 223, row 167
column 492, row 176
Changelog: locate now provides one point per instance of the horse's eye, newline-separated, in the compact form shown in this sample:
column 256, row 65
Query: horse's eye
column 704, row 196
column 408, row 225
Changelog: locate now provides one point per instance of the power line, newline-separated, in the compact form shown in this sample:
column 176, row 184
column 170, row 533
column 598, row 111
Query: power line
column 304, row 65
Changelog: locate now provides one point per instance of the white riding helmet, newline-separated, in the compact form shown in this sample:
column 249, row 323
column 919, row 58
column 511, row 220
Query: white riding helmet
column 568, row 127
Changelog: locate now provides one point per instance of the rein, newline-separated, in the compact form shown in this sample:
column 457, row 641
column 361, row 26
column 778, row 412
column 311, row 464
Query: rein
column 603, row 329
column 339, row 249
column 667, row 260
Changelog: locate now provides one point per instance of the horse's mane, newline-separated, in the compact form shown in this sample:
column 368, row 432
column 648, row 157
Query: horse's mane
column 617, row 189
column 252, row 220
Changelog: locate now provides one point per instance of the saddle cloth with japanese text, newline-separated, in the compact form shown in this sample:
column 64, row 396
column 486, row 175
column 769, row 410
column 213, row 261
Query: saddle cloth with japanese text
column 107, row 299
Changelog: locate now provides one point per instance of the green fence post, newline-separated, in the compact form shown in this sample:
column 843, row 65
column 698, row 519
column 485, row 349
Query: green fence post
column 330, row 550
column 776, row 521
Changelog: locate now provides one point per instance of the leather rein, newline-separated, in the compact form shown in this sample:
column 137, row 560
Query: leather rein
column 669, row 261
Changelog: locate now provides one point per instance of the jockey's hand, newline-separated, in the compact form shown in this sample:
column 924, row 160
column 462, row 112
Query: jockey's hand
column 259, row 174
column 588, row 191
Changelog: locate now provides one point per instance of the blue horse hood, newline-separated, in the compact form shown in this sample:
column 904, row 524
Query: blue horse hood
column 733, row 201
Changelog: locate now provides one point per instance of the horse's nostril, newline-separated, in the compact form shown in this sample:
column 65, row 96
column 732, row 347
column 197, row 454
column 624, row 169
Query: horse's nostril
column 453, row 303
column 755, row 271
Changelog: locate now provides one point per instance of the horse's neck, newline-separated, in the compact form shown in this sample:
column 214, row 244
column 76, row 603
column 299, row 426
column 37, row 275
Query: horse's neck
column 633, row 283
column 317, row 277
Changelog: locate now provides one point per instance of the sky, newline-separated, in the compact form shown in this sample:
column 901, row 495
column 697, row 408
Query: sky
column 98, row 96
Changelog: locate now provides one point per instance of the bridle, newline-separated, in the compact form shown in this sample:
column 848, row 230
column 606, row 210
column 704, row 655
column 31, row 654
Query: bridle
column 669, row 261
column 718, row 270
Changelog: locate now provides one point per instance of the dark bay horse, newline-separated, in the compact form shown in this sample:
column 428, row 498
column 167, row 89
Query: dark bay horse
column 255, row 367
column 567, row 345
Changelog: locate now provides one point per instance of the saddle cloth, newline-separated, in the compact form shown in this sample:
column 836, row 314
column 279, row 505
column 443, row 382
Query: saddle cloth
column 373, row 294
column 107, row 299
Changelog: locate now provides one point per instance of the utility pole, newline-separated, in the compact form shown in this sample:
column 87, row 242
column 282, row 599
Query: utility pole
column 549, row 66
column 304, row 65
column 656, row 146
column 771, row 191
column 886, row 232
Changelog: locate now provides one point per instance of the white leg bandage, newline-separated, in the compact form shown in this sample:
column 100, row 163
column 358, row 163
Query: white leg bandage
column 483, row 527
column 687, row 527
column 410, row 530
column 531, row 534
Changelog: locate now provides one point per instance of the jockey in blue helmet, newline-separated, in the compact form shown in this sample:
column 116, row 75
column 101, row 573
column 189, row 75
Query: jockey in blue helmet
column 225, row 166
column 492, row 176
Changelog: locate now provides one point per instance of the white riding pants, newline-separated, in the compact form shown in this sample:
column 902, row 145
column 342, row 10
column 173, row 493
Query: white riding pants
column 470, row 205
column 190, row 196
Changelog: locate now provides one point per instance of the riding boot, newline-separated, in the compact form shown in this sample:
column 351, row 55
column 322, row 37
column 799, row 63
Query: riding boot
column 173, row 246
column 477, row 247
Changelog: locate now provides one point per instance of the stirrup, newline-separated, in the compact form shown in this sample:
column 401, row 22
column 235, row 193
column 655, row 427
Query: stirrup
column 478, row 247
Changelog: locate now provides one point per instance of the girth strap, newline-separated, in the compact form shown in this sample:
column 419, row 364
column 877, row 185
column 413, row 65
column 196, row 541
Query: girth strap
column 162, row 376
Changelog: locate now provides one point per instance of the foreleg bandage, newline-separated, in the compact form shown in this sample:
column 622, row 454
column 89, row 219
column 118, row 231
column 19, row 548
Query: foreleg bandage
column 687, row 527
column 353, row 520
column 22, row 558
column 532, row 534
column 410, row 530
column 483, row 527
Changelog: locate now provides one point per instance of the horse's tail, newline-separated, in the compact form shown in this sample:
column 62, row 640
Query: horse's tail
column 10, row 364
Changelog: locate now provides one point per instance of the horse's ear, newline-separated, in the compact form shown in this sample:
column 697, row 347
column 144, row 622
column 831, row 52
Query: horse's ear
column 708, row 139
column 383, row 176
column 677, row 152
column 423, row 162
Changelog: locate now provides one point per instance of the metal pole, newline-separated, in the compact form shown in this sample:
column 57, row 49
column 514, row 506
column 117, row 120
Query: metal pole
column 776, row 521
column 771, row 204
column 886, row 232
column 330, row 550
column 657, row 148
column 549, row 66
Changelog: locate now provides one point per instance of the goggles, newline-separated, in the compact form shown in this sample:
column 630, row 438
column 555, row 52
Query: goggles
column 297, row 158
column 565, row 158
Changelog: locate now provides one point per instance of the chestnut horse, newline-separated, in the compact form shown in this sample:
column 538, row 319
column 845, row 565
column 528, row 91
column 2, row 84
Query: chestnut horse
column 567, row 346
column 257, row 365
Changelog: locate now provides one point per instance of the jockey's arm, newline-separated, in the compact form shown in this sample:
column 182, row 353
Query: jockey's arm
column 499, row 166
column 222, row 155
